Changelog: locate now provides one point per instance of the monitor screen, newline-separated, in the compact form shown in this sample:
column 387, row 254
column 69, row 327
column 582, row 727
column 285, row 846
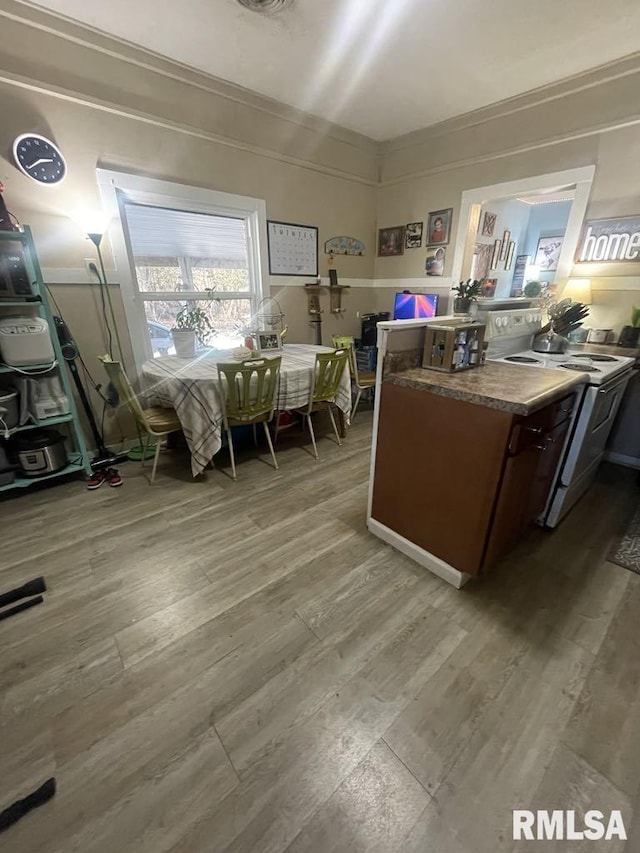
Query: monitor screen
column 412, row 306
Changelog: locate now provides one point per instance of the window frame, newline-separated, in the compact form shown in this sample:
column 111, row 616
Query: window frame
column 120, row 188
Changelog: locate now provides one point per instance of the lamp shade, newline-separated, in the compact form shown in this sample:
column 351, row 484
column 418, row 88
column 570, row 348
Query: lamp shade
column 578, row 290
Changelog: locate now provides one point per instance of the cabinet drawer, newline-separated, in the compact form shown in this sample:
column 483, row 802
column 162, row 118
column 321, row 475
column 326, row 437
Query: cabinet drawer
column 532, row 430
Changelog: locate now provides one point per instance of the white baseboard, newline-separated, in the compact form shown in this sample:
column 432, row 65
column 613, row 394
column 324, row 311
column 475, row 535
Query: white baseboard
column 622, row 459
column 424, row 558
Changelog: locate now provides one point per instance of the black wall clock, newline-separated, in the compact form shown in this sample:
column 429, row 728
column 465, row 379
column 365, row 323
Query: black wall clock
column 39, row 159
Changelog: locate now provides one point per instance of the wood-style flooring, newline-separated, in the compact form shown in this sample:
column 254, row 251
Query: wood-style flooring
column 241, row 666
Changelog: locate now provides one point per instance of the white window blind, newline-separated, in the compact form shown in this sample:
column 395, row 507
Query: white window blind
column 159, row 232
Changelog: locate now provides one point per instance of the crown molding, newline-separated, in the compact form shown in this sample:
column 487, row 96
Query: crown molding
column 625, row 67
column 53, row 23
column 227, row 141
column 547, row 142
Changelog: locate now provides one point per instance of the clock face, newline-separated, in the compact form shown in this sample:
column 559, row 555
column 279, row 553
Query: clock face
column 39, row 159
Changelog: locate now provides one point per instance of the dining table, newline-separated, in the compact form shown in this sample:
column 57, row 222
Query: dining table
column 191, row 387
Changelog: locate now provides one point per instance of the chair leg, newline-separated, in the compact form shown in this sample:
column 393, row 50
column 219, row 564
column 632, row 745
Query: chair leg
column 255, row 436
column 335, row 428
column 313, row 437
column 355, row 405
column 231, row 454
column 145, row 450
column 273, row 454
column 155, row 459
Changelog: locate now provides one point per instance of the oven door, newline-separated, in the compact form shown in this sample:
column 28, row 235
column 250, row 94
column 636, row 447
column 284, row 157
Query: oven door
column 599, row 409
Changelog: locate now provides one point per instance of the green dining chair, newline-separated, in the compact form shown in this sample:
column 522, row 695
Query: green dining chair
column 248, row 391
column 327, row 373
column 361, row 380
column 155, row 421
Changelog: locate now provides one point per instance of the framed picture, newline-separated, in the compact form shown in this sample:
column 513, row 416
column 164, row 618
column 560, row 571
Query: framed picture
column 413, row 235
column 519, row 270
column 482, row 255
column 439, row 228
column 391, row 241
column 434, row 265
column 497, row 251
column 488, row 223
column 489, row 287
column 548, row 253
column 509, row 257
column 506, row 239
column 293, row 249
column 268, row 341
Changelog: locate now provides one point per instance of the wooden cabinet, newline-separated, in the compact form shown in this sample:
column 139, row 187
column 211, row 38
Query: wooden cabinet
column 463, row 481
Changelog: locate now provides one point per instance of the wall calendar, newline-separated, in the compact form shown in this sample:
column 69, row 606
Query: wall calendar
column 293, row 249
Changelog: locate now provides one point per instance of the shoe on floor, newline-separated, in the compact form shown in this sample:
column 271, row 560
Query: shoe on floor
column 113, row 478
column 97, row 479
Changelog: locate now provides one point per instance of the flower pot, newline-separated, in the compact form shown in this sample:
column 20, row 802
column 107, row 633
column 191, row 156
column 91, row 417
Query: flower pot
column 184, row 340
column 461, row 305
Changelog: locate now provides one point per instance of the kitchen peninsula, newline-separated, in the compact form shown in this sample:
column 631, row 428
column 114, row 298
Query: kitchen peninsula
column 461, row 463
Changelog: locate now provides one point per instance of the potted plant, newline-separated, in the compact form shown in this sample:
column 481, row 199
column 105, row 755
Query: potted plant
column 468, row 292
column 192, row 324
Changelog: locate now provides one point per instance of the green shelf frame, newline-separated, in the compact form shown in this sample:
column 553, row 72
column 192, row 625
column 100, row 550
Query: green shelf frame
column 78, row 453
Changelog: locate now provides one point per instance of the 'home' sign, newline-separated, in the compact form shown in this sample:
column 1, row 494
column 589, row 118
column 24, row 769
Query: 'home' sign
column 610, row 241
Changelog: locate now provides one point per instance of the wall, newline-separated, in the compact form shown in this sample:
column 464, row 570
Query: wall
column 545, row 220
column 590, row 119
column 110, row 105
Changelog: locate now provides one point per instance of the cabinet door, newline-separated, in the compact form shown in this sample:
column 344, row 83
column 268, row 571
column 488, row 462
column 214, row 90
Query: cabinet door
column 512, row 512
column 551, row 446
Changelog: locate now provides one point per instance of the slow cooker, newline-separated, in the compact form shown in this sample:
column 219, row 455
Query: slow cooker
column 41, row 452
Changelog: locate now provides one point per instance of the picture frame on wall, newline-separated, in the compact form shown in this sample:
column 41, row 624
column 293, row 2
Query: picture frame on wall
column 488, row 223
column 434, row 265
column 413, row 235
column 391, row 241
column 489, row 288
column 497, row 251
column 548, row 253
column 439, row 227
column 506, row 239
column 509, row 257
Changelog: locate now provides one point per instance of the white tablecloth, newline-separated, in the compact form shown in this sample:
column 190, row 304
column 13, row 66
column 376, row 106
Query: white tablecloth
column 191, row 388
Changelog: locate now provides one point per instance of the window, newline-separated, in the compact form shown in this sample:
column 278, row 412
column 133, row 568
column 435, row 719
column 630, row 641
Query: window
column 184, row 246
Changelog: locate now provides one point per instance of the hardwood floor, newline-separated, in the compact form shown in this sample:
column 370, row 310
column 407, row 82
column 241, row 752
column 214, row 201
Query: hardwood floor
column 242, row 667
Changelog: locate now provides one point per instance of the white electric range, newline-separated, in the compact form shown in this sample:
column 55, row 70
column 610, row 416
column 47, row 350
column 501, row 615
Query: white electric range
column 605, row 379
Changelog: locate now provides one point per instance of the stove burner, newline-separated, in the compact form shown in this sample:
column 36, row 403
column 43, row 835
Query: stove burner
column 594, row 356
column 583, row 368
column 522, row 359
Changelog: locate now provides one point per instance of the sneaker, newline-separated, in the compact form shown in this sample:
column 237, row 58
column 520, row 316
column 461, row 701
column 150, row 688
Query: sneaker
column 113, row 478
column 98, row 478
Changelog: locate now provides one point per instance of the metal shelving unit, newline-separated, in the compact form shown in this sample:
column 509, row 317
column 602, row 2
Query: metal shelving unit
column 78, row 455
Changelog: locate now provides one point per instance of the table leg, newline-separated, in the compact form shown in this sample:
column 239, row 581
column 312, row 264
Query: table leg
column 342, row 426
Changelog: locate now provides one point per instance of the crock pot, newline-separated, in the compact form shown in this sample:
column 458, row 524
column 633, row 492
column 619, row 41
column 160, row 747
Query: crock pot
column 41, row 452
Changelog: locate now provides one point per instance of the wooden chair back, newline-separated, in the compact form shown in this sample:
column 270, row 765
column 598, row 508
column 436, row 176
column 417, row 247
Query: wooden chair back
column 248, row 388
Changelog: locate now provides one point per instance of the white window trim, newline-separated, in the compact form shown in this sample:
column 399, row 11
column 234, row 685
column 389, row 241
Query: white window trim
column 117, row 188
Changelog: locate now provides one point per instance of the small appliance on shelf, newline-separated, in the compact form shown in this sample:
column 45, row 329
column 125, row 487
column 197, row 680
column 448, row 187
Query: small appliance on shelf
column 25, row 341
column 453, row 346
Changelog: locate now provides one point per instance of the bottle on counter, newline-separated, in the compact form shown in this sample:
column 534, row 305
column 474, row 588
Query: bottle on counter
column 473, row 349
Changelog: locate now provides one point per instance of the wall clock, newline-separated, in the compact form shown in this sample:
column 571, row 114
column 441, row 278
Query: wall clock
column 39, row 158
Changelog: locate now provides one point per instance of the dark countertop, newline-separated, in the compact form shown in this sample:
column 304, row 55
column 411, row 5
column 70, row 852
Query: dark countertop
column 508, row 387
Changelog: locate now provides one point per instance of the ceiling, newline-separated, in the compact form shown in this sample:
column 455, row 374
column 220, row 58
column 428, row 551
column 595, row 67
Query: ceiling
column 380, row 67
